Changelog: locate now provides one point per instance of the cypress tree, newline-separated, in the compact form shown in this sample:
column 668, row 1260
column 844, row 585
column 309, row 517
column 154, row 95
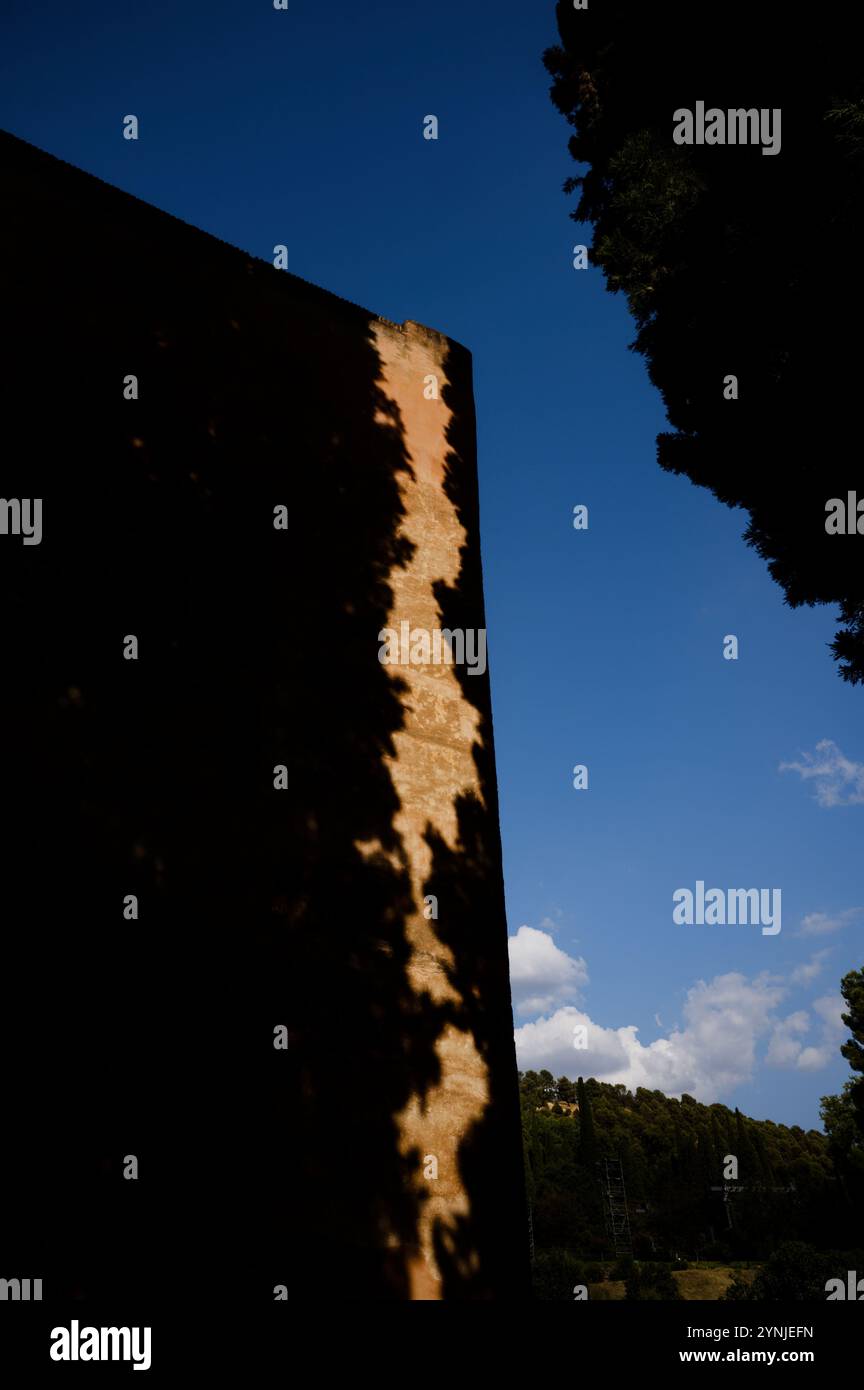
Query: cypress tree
column 587, row 1137
column 748, row 1163
column 700, row 245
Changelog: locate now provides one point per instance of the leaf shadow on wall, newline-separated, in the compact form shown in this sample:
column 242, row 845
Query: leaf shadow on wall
column 257, row 908
column 467, row 881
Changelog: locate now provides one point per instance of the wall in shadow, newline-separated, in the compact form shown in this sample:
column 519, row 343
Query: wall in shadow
column 155, row 777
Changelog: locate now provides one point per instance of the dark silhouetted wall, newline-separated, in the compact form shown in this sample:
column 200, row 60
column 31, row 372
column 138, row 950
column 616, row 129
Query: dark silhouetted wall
column 258, row 907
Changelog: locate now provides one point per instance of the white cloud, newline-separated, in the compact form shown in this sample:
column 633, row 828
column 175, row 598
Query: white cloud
column 541, row 974
column 785, row 1047
column 830, row 1008
column 838, row 780
column 787, row 1050
column 814, row 1058
column 713, row 1052
column 821, row 923
column 804, row 974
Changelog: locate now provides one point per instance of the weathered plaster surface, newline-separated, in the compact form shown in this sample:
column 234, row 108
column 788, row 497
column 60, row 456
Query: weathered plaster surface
column 433, row 765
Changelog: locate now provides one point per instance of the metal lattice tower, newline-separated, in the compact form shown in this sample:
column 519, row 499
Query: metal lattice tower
column 615, row 1206
column 727, row 1201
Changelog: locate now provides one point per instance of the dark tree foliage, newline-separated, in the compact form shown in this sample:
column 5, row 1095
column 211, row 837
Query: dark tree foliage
column 736, row 262
column 652, row 1282
column 587, row 1138
column 843, row 1115
column 845, row 1142
column 852, row 989
column 794, row 1273
column 745, row 1150
column 565, row 1089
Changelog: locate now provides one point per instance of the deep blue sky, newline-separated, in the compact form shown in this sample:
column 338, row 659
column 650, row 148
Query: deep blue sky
column 305, row 127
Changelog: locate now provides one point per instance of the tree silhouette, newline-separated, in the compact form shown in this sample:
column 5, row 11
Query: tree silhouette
column 587, row 1137
column 737, row 264
column 852, row 989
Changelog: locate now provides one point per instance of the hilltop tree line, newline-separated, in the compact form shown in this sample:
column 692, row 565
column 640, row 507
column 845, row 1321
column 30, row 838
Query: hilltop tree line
column 673, row 1153
column 791, row 1185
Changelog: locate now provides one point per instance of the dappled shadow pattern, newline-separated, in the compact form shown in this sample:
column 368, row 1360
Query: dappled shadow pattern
column 256, row 907
column 467, row 880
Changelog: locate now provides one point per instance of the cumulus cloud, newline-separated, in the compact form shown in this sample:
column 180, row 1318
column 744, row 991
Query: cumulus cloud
column 713, row 1052
column 786, row 1048
column 708, row 1055
column 838, row 781
column 541, row 974
column 821, row 923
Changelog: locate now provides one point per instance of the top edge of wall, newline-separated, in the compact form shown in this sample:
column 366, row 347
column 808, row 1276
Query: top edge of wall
column 10, row 144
